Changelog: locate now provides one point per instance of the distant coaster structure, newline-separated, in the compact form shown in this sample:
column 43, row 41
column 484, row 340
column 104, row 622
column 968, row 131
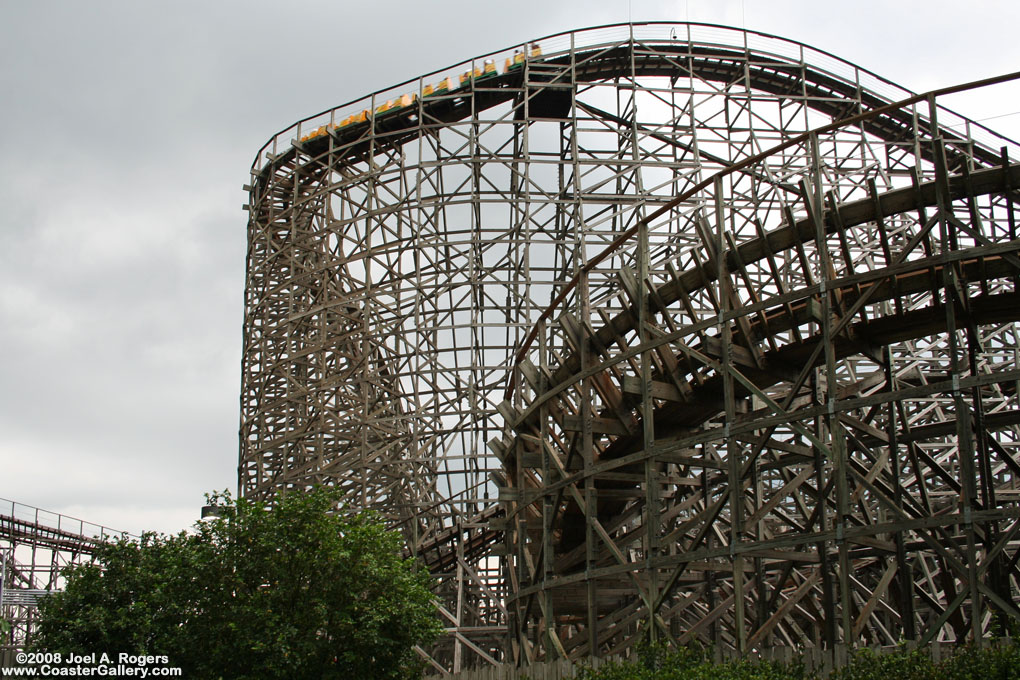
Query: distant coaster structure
column 35, row 546
column 667, row 331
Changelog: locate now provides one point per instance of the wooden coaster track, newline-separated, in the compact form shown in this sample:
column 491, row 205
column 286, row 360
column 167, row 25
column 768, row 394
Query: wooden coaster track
column 816, row 485
column 778, row 410
column 35, row 545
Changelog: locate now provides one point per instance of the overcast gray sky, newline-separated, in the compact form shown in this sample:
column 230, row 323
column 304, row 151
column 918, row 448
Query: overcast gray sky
column 128, row 128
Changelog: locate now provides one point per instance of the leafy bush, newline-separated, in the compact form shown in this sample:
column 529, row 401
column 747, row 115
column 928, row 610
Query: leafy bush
column 902, row 664
column 292, row 591
column 998, row 661
column 657, row 662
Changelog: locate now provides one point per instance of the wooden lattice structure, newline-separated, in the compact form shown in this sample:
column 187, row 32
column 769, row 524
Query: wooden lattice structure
column 35, row 545
column 748, row 397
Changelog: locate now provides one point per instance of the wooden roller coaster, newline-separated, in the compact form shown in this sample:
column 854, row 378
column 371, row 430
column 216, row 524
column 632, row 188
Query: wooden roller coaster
column 737, row 319
column 35, row 545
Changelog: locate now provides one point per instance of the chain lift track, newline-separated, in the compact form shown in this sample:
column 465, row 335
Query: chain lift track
column 751, row 399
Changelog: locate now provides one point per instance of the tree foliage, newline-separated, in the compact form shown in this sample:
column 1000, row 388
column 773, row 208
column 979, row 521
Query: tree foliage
column 295, row 591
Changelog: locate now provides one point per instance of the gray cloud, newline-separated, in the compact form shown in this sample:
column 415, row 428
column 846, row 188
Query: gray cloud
column 129, row 128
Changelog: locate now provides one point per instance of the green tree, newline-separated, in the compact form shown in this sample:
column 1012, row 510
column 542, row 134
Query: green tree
column 296, row 591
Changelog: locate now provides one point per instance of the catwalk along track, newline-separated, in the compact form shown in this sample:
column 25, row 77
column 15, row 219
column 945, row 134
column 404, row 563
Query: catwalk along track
column 737, row 319
column 35, row 545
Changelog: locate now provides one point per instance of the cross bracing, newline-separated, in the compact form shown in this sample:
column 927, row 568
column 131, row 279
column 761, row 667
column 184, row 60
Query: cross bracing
column 35, row 547
column 750, row 403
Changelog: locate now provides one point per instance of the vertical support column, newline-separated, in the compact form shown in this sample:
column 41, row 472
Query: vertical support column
column 458, row 648
column 475, row 476
column 588, row 455
column 652, row 500
column 546, row 568
column 524, row 572
column 837, row 444
column 1007, row 191
column 736, row 499
column 367, row 312
column 585, row 388
column 985, row 478
column 904, row 571
column 964, row 429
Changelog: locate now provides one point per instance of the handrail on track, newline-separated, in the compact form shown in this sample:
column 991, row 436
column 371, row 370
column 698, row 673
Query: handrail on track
column 751, row 160
column 47, row 520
